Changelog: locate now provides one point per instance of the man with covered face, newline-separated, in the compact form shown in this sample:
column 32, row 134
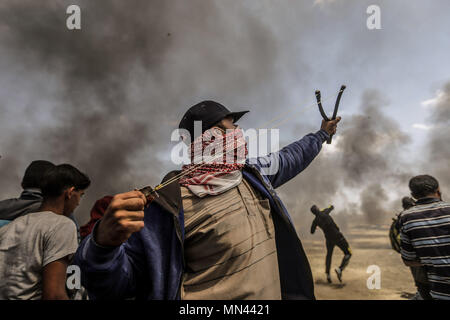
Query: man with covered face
column 218, row 232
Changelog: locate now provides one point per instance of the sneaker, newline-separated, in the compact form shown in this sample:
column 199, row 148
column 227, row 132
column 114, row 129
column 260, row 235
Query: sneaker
column 329, row 278
column 339, row 273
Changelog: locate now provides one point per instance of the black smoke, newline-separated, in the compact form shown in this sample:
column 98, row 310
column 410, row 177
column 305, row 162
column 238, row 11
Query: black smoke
column 362, row 175
column 106, row 98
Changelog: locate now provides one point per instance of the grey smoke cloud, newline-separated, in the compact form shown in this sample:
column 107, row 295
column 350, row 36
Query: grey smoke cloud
column 371, row 142
column 91, row 122
column 437, row 160
column 372, row 199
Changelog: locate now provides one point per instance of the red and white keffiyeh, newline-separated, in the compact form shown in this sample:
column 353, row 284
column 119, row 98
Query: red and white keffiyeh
column 217, row 160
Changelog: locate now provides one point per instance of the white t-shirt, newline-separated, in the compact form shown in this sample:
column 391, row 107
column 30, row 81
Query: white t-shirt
column 27, row 245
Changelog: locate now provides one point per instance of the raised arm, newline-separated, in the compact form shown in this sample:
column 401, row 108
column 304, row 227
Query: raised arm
column 281, row 166
column 314, row 226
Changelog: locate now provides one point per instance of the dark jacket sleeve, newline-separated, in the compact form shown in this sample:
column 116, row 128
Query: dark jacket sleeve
column 281, row 166
column 314, row 226
column 110, row 273
column 328, row 210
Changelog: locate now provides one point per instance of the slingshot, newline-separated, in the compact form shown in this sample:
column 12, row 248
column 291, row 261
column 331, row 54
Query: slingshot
column 336, row 107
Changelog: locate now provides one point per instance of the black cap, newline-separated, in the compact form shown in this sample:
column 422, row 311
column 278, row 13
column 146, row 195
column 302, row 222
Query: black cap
column 209, row 112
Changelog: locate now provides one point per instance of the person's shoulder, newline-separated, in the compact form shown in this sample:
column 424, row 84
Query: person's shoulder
column 430, row 206
column 407, row 214
column 58, row 226
column 44, row 215
column 169, row 197
column 58, row 218
column 8, row 201
column 444, row 207
column 422, row 210
column 170, row 175
column 443, row 204
column 42, row 222
column 50, row 220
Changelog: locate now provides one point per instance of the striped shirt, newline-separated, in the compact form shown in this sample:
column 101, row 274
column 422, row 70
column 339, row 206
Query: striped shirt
column 425, row 237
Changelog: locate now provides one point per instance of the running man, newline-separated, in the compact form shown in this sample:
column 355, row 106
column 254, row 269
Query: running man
column 333, row 238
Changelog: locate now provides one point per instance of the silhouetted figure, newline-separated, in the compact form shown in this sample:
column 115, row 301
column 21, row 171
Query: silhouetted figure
column 333, row 238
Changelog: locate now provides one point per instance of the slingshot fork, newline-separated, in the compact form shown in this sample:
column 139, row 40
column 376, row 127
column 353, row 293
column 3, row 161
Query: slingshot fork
column 336, row 107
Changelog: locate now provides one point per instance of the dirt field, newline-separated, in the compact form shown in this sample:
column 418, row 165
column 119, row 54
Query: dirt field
column 370, row 246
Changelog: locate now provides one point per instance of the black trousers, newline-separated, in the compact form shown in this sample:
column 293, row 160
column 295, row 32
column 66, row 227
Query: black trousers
column 344, row 246
column 421, row 280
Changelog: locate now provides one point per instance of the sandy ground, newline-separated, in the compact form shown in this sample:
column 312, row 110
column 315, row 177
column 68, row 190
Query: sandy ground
column 370, row 246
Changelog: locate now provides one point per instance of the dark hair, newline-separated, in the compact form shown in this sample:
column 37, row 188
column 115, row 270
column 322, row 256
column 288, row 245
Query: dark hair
column 60, row 178
column 34, row 174
column 315, row 209
column 423, row 186
column 408, row 202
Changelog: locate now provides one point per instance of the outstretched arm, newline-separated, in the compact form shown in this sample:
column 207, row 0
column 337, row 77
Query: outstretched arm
column 281, row 166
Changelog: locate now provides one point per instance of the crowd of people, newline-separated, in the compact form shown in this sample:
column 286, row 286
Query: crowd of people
column 38, row 237
column 219, row 231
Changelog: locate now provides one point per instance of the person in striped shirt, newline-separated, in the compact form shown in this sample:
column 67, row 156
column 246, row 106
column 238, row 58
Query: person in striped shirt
column 425, row 234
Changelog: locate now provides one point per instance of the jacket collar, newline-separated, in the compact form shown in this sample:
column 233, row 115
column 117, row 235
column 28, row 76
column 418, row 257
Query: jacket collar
column 31, row 194
column 170, row 196
column 427, row 200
